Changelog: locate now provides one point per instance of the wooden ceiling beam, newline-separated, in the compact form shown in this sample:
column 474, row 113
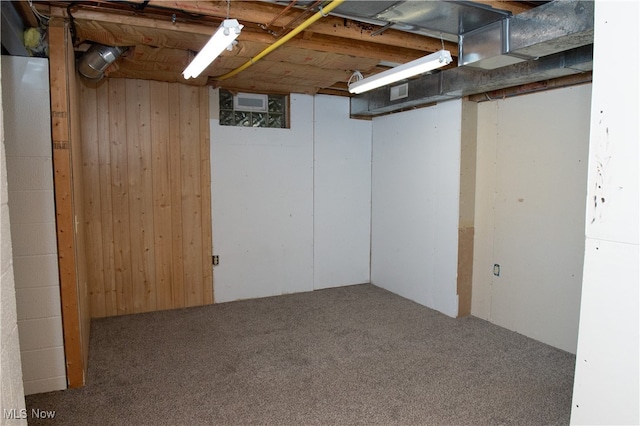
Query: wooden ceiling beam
column 112, row 34
column 23, row 8
column 364, row 46
column 132, row 64
column 246, row 11
column 295, row 55
column 334, row 92
column 319, row 59
column 263, row 13
column 165, row 76
column 263, row 87
column 329, row 26
column 515, row 7
column 133, row 20
column 158, row 54
column 363, row 49
column 113, row 29
column 295, row 74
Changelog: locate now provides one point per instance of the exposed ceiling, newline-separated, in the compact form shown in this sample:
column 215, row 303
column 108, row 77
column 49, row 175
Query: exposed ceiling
column 505, row 47
column 162, row 37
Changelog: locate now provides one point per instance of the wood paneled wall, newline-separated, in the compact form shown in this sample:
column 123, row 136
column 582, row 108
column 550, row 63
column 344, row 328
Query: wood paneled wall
column 147, row 195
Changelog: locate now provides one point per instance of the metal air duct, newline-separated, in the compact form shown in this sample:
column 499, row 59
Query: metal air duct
column 550, row 41
column 554, row 27
column 97, row 59
column 462, row 81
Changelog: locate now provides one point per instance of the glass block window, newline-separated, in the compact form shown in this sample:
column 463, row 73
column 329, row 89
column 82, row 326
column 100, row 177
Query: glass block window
column 274, row 114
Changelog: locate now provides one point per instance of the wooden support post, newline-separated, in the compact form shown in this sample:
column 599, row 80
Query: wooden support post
column 61, row 70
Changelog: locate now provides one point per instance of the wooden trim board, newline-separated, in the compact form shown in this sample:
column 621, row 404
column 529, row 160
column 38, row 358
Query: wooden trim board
column 60, row 59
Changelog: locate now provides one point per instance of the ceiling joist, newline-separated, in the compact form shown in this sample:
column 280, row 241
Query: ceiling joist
column 163, row 37
column 261, row 13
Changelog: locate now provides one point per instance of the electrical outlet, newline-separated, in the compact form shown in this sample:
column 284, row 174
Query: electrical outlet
column 215, row 260
column 496, row 270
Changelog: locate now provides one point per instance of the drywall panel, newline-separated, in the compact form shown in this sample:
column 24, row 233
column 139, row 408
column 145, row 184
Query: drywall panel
column 415, row 204
column 342, row 195
column 537, row 176
column 606, row 385
column 606, row 378
column 33, row 226
column 484, row 207
column 262, row 205
column 12, row 391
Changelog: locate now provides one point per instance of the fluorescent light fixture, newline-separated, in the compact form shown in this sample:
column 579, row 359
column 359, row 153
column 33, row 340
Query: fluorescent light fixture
column 223, row 38
column 419, row 66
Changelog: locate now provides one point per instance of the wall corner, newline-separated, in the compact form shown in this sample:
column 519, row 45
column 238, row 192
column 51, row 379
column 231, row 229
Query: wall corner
column 468, row 145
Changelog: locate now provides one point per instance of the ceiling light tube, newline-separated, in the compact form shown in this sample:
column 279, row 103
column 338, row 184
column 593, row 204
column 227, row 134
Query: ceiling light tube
column 419, row 66
column 225, row 35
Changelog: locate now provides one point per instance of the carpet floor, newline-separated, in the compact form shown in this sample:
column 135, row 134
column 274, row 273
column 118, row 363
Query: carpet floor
column 349, row 355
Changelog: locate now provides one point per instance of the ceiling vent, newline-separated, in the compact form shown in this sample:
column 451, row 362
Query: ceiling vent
column 97, row 59
column 399, row 92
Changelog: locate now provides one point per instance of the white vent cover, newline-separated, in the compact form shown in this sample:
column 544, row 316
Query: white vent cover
column 251, row 102
column 400, row 91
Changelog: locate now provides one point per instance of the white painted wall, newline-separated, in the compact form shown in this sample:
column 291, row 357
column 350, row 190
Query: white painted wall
column 33, row 229
column 606, row 384
column 264, row 204
column 342, row 195
column 483, row 259
column 11, row 387
column 415, row 203
column 531, row 174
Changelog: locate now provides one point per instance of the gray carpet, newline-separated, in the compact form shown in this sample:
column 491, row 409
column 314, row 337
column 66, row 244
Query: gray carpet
column 351, row 355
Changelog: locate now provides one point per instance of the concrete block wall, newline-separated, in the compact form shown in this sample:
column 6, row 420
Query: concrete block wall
column 33, row 228
column 11, row 390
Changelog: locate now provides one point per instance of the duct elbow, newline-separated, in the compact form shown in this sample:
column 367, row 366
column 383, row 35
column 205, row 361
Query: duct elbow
column 97, row 59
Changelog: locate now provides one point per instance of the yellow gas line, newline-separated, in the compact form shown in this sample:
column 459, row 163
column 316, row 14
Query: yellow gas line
column 323, row 12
